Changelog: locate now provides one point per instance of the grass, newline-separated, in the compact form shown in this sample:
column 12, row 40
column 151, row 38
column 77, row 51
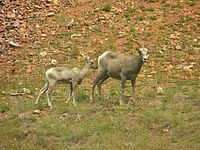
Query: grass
column 104, row 125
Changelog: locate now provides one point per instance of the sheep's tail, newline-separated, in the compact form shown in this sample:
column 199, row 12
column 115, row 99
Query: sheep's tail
column 101, row 57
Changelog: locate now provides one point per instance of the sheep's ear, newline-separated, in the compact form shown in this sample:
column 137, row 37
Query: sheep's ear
column 137, row 49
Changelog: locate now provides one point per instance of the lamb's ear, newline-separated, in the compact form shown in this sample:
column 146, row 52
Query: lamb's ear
column 86, row 58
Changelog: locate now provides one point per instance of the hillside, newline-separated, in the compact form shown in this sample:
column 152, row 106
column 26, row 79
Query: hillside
column 166, row 112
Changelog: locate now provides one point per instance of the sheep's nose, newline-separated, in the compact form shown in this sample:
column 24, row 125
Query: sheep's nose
column 145, row 59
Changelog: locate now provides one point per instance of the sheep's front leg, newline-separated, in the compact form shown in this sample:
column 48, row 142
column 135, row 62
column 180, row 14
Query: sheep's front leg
column 70, row 93
column 44, row 89
column 74, row 92
column 123, row 82
column 133, row 87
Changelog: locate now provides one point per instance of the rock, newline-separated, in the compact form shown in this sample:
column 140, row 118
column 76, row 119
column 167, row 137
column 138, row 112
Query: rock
column 75, row 35
column 43, row 54
column 178, row 47
column 189, row 71
column 50, row 14
column 1, row 73
column 13, row 69
column 1, row 51
column 53, row 62
column 2, row 29
column 70, row 24
column 65, row 116
column 195, row 40
column 10, row 15
column 13, row 44
column 37, row 111
column 159, row 90
column 43, row 35
column 178, row 96
column 2, row 98
column 188, row 67
column 26, row 91
column 78, row 117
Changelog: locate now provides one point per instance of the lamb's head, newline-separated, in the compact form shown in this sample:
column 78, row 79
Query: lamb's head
column 90, row 62
column 143, row 51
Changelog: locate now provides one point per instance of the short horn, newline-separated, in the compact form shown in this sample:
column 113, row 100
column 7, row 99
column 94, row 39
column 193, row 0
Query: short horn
column 137, row 43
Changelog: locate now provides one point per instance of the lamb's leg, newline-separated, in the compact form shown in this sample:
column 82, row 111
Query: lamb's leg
column 70, row 93
column 123, row 82
column 44, row 89
column 105, row 77
column 74, row 93
column 133, row 87
column 97, row 79
column 50, row 89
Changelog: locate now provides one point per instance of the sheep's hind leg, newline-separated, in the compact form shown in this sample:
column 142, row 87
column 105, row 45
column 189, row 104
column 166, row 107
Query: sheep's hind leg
column 105, row 77
column 70, row 93
column 97, row 79
column 50, row 89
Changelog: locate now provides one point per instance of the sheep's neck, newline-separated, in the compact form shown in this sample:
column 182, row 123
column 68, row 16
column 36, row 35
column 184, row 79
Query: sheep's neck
column 140, row 59
column 85, row 70
column 140, row 62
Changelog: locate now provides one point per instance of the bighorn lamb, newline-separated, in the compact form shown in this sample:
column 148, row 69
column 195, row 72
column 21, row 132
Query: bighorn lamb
column 120, row 67
column 72, row 76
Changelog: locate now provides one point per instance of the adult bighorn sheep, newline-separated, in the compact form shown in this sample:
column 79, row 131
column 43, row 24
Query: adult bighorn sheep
column 69, row 75
column 120, row 67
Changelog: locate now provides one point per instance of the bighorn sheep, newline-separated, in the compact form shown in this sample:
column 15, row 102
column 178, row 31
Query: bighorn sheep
column 72, row 76
column 120, row 67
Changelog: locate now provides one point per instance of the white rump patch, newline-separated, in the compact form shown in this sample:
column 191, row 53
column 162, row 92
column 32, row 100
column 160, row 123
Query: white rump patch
column 101, row 57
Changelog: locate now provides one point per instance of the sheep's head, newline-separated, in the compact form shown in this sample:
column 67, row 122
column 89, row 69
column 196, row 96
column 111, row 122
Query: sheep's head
column 90, row 62
column 143, row 51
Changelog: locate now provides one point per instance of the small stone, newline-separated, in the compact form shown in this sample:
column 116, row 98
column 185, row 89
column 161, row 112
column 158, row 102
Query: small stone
column 13, row 44
column 43, row 35
column 65, row 116
column 179, row 96
column 14, row 69
column 190, row 58
column 195, row 40
column 53, row 62
column 2, row 98
column 78, row 117
column 37, row 111
column 189, row 71
column 2, row 29
column 159, row 90
column 75, row 35
column 1, row 51
column 50, row 14
column 43, row 54
column 10, row 14
column 1, row 73
column 178, row 47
